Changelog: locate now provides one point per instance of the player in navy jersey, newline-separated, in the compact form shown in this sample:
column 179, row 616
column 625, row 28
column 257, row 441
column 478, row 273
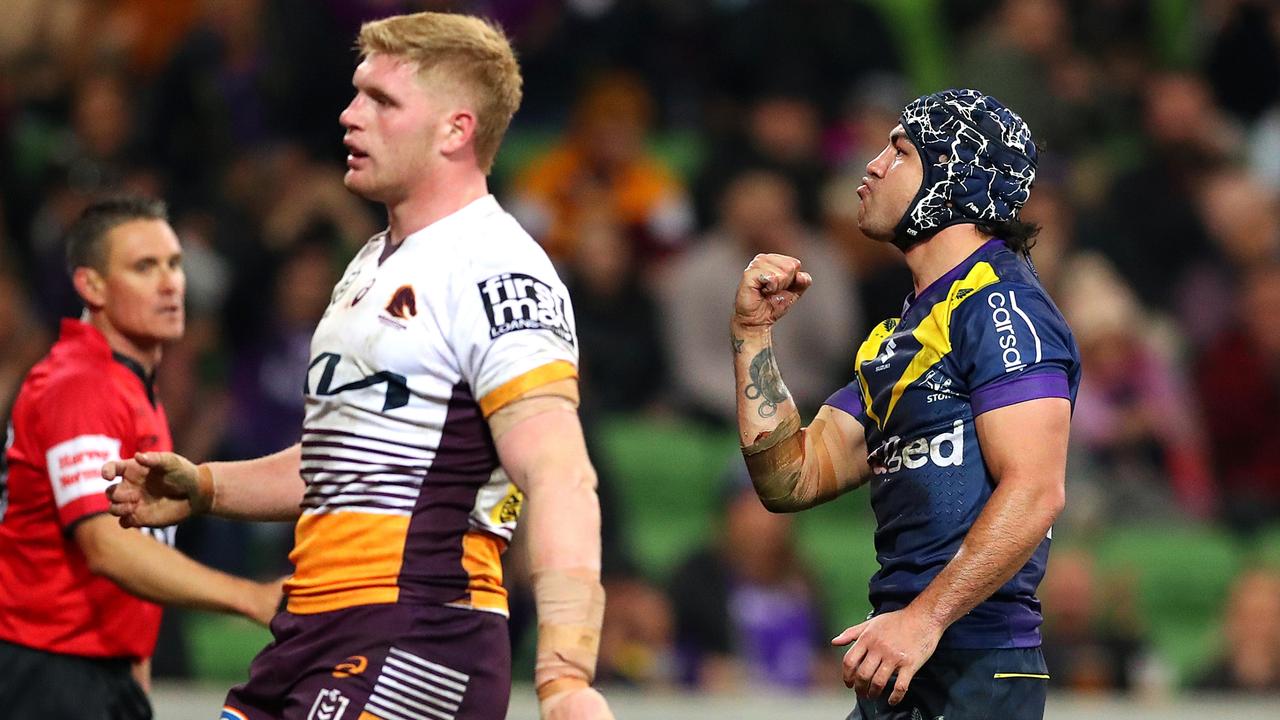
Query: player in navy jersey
column 957, row 418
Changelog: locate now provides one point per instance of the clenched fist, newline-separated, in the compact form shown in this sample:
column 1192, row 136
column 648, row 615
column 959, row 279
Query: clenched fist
column 770, row 285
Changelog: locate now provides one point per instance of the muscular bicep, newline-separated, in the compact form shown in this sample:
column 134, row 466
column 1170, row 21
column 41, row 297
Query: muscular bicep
column 538, row 436
column 540, row 445
column 1027, row 441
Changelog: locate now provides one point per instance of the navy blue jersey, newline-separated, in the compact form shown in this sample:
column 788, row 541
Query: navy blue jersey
column 981, row 337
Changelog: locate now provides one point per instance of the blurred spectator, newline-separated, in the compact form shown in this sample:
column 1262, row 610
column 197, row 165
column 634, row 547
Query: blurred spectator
column 216, row 98
column 1238, row 379
column 267, row 372
column 758, row 215
column 1092, row 639
column 1243, row 63
column 1250, row 658
column 812, row 45
column 24, row 340
column 858, row 134
column 603, row 159
column 1152, row 209
column 748, row 613
column 1143, row 438
column 781, row 132
column 303, row 195
column 622, row 360
column 1055, row 244
column 1025, row 57
column 880, row 273
column 1241, row 218
column 637, row 636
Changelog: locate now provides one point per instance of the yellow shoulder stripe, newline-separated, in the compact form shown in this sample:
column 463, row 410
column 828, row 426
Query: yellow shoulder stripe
column 934, row 331
column 869, row 349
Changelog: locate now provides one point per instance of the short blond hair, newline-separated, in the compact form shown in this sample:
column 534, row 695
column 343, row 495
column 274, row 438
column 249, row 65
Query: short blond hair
column 469, row 51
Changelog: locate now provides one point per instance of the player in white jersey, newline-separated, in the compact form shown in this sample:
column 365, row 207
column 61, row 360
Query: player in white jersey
column 442, row 393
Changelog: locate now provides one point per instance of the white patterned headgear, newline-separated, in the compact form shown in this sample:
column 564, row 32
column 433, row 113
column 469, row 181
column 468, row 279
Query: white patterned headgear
column 979, row 162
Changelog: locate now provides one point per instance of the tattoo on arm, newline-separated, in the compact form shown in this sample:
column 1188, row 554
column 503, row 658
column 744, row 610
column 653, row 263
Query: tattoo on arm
column 737, row 344
column 766, row 383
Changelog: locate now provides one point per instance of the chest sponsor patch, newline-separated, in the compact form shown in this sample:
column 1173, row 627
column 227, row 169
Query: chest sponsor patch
column 515, row 301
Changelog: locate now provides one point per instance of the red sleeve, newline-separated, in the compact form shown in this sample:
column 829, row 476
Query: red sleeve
column 83, row 423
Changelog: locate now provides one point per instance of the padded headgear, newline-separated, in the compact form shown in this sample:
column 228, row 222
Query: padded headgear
column 979, row 162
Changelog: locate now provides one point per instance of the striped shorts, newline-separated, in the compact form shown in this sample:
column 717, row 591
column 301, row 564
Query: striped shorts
column 379, row 662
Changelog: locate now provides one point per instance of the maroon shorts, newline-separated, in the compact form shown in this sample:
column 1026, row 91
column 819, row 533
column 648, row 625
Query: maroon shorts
column 379, row 662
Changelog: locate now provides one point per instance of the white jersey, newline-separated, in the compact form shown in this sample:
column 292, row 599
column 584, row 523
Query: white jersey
column 405, row 499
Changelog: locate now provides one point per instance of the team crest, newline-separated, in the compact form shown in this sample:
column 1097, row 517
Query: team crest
column 404, row 304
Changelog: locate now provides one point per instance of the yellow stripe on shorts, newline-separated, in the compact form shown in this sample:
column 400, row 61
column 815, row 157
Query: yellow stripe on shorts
column 1004, row 676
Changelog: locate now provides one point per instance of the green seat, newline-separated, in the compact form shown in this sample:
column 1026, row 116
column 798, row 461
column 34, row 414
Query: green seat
column 1182, row 576
column 222, row 646
column 837, row 542
column 667, row 475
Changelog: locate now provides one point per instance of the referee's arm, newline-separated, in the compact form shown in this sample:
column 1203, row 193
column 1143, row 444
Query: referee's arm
column 154, row 571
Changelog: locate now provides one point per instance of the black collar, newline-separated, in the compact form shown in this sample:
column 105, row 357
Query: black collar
column 148, row 381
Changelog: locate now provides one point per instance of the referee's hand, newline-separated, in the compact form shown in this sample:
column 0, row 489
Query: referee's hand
column 157, row 489
column 896, row 642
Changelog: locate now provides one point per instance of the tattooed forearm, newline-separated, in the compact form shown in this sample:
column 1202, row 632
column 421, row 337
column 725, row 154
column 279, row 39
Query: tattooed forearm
column 737, row 344
column 766, row 383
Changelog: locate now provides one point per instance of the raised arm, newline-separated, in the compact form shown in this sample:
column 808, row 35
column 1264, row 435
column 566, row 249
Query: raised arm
column 540, row 444
column 792, row 468
column 163, row 488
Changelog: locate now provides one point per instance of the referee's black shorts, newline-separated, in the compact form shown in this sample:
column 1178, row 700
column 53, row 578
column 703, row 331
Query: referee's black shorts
column 1008, row 684
column 38, row 685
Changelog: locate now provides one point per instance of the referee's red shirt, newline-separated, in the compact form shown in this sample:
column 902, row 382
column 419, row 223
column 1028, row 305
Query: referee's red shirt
column 79, row 407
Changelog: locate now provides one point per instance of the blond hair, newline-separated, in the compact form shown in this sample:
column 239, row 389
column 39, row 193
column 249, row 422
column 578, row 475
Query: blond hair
column 469, row 52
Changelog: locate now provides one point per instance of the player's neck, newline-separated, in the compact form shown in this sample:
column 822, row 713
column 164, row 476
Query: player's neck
column 145, row 354
column 438, row 196
column 936, row 256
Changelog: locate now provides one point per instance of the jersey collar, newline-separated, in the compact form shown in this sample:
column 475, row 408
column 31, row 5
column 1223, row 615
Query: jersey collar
column 951, row 275
column 91, row 340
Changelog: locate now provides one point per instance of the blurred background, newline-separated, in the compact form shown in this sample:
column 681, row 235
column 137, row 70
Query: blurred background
column 661, row 144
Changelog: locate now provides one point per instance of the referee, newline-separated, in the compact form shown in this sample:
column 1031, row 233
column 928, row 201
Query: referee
column 78, row 593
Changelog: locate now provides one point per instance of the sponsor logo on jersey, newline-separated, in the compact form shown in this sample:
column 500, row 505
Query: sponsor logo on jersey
column 508, row 511
column 945, row 449
column 1002, row 319
column 330, row 704
column 353, row 665
column 75, row 466
column 515, row 301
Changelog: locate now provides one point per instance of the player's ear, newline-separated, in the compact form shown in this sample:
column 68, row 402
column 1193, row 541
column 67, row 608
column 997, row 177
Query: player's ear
column 460, row 129
column 91, row 286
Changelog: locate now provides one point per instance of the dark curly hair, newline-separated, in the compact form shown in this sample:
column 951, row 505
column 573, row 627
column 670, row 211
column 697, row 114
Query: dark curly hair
column 1017, row 235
